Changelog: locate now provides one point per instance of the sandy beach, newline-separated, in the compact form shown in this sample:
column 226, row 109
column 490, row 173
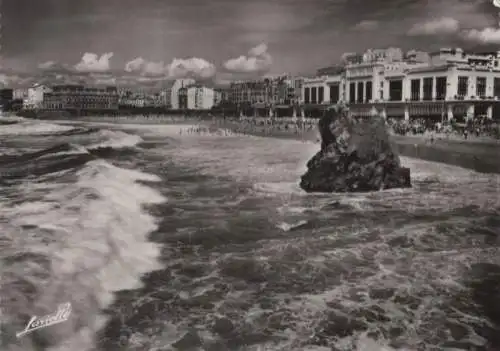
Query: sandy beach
column 476, row 153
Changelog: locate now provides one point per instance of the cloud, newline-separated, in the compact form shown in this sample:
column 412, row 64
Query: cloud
column 91, row 62
column 366, row 25
column 488, row 35
column 178, row 68
column 257, row 60
column 9, row 79
column 191, row 67
column 440, row 26
column 147, row 68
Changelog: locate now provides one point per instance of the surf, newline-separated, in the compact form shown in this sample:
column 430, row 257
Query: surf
column 71, row 234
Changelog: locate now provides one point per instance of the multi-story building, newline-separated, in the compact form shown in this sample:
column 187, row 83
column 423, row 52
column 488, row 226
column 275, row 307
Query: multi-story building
column 200, row 97
column 277, row 90
column 175, row 92
column 34, row 98
column 444, row 84
column 249, row 92
column 81, row 98
column 20, row 93
column 220, row 95
column 182, row 98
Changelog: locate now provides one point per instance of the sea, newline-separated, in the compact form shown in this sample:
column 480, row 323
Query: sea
column 174, row 237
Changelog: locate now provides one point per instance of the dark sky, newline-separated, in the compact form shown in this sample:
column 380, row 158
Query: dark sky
column 300, row 34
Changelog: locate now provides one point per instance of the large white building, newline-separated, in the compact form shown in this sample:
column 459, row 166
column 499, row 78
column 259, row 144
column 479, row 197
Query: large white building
column 445, row 84
column 34, row 97
column 174, row 91
column 200, row 97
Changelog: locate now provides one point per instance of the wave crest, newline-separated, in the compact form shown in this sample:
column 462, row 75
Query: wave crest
column 77, row 243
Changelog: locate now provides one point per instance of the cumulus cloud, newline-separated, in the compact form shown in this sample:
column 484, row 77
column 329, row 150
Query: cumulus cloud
column 149, row 68
column 192, row 66
column 439, row 26
column 178, row 68
column 257, row 60
column 484, row 36
column 366, row 25
column 91, row 62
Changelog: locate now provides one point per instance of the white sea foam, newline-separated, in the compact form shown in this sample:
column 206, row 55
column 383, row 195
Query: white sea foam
column 115, row 139
column 27, row 127
column 273, row 167
column 94, row 234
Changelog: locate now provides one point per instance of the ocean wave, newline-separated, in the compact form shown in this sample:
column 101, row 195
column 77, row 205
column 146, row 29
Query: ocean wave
column 28, row 127
column 75, row 242
column 115, row 139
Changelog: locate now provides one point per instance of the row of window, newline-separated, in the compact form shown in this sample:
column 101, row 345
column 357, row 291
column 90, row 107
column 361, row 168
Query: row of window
column 420, row 89
column 55, row 106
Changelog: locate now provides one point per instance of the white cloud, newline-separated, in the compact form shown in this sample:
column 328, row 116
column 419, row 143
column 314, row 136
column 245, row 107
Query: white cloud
column 91, row 62
column 193, row 66
column 147, row 68
column 366, row 25
column 443, row 25
column 178, row 68
column 485, row 36
column 135, row 65
column 257, row 60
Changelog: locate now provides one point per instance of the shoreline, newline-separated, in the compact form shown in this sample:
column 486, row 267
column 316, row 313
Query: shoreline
column 476, row 154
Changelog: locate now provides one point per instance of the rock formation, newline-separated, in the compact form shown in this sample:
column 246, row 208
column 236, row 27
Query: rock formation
column 355, row 156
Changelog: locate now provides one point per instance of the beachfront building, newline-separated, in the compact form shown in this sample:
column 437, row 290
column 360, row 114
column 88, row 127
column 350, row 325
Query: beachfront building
column 175, row 92
column 200, row 97
column 20, row 93
column 320, row 92
column 182, row 98
column 34, row 98
column 81, row 99
column 440, row 85
column 269, row 96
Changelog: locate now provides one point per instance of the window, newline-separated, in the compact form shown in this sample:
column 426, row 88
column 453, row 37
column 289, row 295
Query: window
column 369, row 91
column 396, row 90
column 441, row 83
column 496, row 87
column 314, row 95
column 361, row 93
column 334, row 93
column 428, row 85
column 463, row 84
column 352, row 92
column 307, row 95
column 415, row 89
column 321, row 93
column 481, row 86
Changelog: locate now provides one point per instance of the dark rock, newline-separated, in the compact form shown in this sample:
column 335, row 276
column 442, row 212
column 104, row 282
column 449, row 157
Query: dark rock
column 355, row 156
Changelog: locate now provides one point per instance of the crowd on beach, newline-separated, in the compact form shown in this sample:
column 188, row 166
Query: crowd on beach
column 476, row 128
column 480, row 128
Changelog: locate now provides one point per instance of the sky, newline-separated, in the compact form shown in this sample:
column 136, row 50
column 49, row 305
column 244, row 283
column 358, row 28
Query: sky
column 153, row 41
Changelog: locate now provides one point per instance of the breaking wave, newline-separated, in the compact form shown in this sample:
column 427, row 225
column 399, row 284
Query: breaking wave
column 73, row 229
